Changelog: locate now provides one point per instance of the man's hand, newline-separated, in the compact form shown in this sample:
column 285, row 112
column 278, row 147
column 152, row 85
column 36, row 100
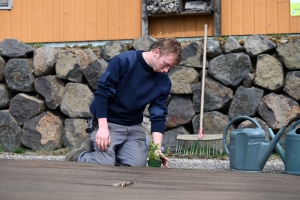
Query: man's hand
column 103, row 135
column 157, row 139
column 103, row 139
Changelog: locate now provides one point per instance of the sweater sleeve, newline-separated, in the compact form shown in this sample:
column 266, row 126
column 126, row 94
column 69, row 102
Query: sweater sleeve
column 107, row 84
column 158, row 112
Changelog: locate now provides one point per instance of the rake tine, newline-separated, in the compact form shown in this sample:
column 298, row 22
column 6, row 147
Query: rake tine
column 192, row 148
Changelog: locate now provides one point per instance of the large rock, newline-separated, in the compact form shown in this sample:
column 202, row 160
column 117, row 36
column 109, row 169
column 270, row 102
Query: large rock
column 44, row 60
column 12, row 48
column 51, row 88
column 232, row 46
column 18, row 75
column 5, row 95
column 112, row 48
column 76, row 100
column 192, row 55
column 216, row 96
column 248, row 80
column 74, row 132
column 289, row 54
column 170, row 138
column 86, row 56
column 292, row 85
column 2, row 66
column 68, row 67
column 278, row 110
column 43, row 132
column 10, row 132
column 230, row 69
column 245, row 102
column 257, row 44
column 180, row 111
column 93, row 71
column 181, row 78
column 213, row 48
column 23, row 107
column 269, row 73
column 144, row 43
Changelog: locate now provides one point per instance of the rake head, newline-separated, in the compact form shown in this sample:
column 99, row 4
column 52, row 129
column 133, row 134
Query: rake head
column 209, row 146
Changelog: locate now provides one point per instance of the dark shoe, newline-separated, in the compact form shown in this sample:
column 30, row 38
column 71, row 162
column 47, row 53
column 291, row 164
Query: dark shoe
column 74, row 154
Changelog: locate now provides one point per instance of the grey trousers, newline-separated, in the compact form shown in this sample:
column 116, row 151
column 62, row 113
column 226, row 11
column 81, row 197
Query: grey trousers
column 128, row 147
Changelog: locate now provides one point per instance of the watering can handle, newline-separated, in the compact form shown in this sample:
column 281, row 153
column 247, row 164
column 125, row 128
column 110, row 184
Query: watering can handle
column 237, row 119
column 294, row 125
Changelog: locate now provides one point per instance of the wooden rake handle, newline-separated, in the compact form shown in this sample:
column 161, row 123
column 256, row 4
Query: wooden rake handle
column 203, row 82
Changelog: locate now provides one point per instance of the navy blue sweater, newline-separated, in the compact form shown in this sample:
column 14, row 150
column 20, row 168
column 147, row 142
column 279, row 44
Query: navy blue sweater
column 126, row 87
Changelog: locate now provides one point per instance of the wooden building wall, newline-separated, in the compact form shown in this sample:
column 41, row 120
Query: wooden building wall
column 34, row 21
column 181, row 26
column 238, row 17
column 245, row 17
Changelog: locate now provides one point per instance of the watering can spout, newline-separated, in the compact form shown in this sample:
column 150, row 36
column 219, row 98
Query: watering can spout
column 279, row 148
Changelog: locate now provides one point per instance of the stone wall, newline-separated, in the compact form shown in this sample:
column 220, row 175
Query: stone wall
column 45, row 93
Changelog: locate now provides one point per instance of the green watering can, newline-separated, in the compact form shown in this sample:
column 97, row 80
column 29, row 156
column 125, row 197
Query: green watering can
column 291, row 155
column 249, row 150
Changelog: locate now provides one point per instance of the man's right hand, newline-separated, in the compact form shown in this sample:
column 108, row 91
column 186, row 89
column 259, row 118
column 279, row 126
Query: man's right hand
column 103, row 135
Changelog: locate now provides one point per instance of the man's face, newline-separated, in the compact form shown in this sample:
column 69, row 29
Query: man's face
column 163, row 63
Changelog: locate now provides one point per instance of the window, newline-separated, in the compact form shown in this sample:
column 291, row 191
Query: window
column 6, row 4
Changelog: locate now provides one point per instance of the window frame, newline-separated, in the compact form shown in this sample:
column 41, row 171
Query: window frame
column 9, row 6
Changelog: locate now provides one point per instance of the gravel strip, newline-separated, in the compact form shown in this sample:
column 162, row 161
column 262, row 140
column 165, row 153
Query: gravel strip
column 272, row 166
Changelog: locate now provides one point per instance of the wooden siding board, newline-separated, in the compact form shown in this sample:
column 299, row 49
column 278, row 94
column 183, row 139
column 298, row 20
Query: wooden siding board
column 113, row 16
column 5, row 24
column 200, row 21
column 58, row 17
column 91, row 20
column 190, row 24
column 102, row 20
column 135, row 24
column 155, row 25
column 25, row 21
column 260, row 17
column 36, row 21
column 80, row 19
column 226, row 17
column 15, row 20
column 272, row 17
column 294, row 24
column 248, row 17
column 68, row 20
column 47, row 21
column 179, row 27
column 210, row 25
column 123, row 19
column 168, row 27
column 284, row 19
column 237, row 17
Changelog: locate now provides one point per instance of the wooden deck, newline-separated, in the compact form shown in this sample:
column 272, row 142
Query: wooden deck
column 36, row 179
